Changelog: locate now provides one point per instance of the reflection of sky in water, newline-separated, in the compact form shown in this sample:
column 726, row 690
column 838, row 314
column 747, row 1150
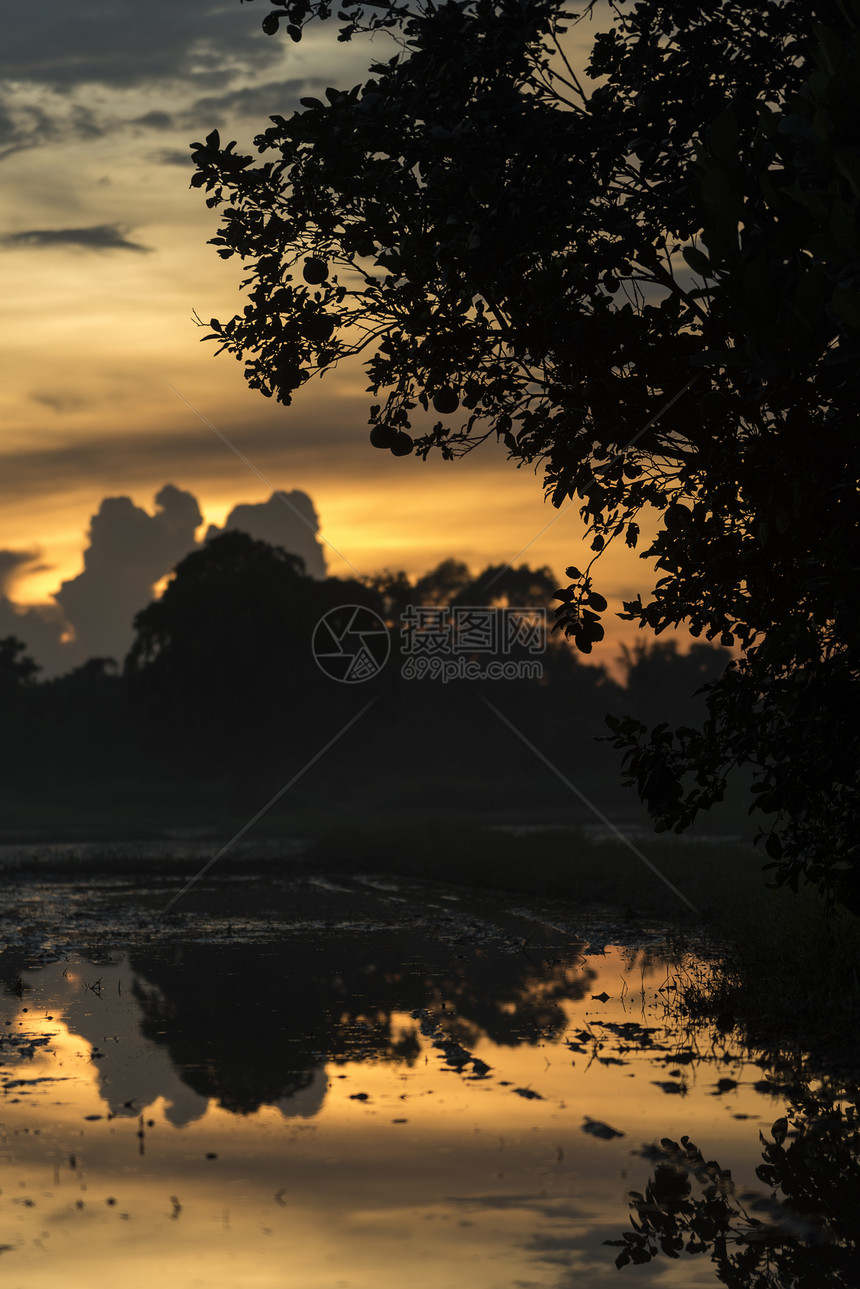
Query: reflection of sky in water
column 384, row 1162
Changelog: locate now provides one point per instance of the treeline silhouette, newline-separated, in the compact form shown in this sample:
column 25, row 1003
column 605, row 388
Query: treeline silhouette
column 220, row 703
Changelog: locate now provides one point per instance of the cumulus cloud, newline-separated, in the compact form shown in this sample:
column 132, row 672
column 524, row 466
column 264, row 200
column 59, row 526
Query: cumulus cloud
column 128, row 552
column 95, row 237
column 287, row 519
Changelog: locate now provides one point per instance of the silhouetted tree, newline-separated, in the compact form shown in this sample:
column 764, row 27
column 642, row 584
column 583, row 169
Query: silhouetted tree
column 83, row 725
column 651, row 288
column 395, row 591
column 502, row 584
column 18, row 702
column 222, row 663
column 443, row 583
column 661, row 679
column 17, row 669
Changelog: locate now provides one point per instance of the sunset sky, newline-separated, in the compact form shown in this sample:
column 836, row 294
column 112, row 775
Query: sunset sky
column 104, row 259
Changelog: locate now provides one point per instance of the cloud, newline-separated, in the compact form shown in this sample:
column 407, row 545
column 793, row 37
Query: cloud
column 13, row 564
column 28, row 124
column 95, row 237
column 75, row 72
column 40, row 627
column 154, row 120
column 287, row 519
column 63, row 46
column 58, row 401
column 24, row 125
column 259, row 101
column 128, row 552
column 171, row 157
column 54, row 55
column 559, row 1209
column 137, row 459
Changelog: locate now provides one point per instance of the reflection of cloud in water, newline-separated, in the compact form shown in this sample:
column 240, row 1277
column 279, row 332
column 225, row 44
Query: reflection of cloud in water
column 540, row 1207
column 133, row 1071
column 565, row 1235
column 307, row 1101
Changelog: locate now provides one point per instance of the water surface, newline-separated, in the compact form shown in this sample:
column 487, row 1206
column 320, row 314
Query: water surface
column 368, row 1082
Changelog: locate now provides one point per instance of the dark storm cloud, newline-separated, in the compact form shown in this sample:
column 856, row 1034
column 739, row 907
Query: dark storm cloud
column 287, row 519
column 128, row 552
column 95, row 237
column 98, row 42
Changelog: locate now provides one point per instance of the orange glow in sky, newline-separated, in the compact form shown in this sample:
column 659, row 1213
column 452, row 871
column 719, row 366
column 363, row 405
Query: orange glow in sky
column 105, row 260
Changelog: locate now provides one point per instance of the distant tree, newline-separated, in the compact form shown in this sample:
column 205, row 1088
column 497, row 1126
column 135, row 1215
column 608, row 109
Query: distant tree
column 506, row 586
column 222, row 663
column 84, row 731
column 651, row 287
column 662, row 680
column 443, row 583
column 18, row 707
column 395, row 591
column 17, row 669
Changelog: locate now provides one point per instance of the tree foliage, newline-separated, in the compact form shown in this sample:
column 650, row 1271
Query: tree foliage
column 221, row 664
column 644, row 281
column 17, row 668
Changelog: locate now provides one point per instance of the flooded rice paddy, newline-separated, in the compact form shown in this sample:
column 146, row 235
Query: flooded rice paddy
column 336, row 1083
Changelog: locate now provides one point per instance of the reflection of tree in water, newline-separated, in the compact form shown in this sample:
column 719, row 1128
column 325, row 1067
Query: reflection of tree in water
column 250, row 1024
column 13, row 961
column 508, row 1009
column 803, row 1234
